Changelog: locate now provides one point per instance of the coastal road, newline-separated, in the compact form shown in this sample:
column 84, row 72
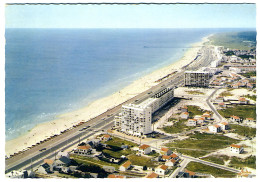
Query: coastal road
column 56, row 143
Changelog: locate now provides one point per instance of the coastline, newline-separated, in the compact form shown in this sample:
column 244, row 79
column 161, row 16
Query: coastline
column 67, row 120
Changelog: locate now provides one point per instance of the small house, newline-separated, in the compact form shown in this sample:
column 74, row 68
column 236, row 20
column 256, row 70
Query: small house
column 235, row 119
column 184, row 109
column 236, row 148
column 165, row 158
column 115, row 176
column 106, row 137
column 243, row 100
column 214, row 128
column 125, row 166
column 165, row 151
column 184, row 115
column 191, row 122
column 152, row 175
column 144, row 149
column 224, row 126
column 250, row 120
column 161, row 170
column 83, row 150
column 170, row 163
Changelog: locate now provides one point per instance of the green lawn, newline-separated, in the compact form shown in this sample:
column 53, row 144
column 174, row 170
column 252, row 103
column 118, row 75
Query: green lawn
column 243, row 130
column 195, row 110
column 248, row 111
column 118, row 142
column 252, row 97
column 177, row 127
column 195, row 92
column 216, row 172
column 218, row 159
column 249, row 74
column 141, row 160
column 240, row 163
column 118, row 153
column 201, row 144
column 90, row 161
column 225, row 94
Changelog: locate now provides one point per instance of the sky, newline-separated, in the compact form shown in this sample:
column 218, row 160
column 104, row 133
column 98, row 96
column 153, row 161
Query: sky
column 131, row 16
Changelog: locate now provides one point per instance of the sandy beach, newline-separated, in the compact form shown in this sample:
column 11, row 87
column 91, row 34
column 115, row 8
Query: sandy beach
column 67, row 120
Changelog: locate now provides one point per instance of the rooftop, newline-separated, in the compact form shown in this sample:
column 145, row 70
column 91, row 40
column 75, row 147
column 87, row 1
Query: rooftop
column 235, row 146
column 144, row 146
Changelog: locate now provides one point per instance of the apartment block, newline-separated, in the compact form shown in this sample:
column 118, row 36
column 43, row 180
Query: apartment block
column 197, row 78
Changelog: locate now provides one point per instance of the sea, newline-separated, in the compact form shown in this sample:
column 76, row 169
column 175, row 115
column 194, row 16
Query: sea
column 53, row 71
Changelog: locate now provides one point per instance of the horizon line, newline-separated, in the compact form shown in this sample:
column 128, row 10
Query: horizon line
column 128, row 28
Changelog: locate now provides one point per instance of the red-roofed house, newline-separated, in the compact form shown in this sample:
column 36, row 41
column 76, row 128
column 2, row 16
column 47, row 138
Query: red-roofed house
column 165, row 151
column 184, row 115
column 236, row 148
column 144, row 149
column 243, row 100
column 125, row 166
column 222, row 105
column 191, row 173
column 174, row 156
column 152, row 175
column 250, row 120
column 224, row 126
column 106, row 137
column 115, row 176
column 165, row 157
column 191, row 122
column 214, row 128
column 170, row 163
column 184, row 109
column 83, row 150
column 161, row 170
column 244, row 174
column 235, row 119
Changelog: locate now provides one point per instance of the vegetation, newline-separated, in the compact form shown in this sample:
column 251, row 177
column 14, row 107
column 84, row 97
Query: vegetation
column 216, row 172
column 218, row 159
column 88, row 160
column 118, row 142
column 235, row 40
column 229, row 53
column 195, row 92
column 195, row 110
column 245, row 56
column 243, row 130
column 240, row 163
column 154, row 153
column 117, row 153
column 198, row 144
column 248, row 111
column 177, row 127
column 141, row 161
column 225, row 94
column 252, row 97
column 249, row 74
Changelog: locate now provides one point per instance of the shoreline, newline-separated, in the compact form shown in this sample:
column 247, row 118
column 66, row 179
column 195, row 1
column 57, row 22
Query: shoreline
column 67, row 120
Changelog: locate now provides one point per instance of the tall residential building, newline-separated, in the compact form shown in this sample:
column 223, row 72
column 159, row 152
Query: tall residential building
column 136, row 118
column 197, row 78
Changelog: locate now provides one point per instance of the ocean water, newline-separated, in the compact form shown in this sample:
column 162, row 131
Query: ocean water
column 53, row 71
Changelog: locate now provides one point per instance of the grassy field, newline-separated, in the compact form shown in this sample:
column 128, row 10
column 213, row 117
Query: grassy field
column 90, row 161
column 248, row 111
column 235, row 40
column 216, row 172
column 249, row 74
column 141, row 161
column 177, row 127
column 243, row 130
column 118, row 153
column 195, row 110
column 218, row 159
column 201, row 144
column 252, row 97
column 118, row 142
column 240, row 163
column 225, row 94
column 195, row 92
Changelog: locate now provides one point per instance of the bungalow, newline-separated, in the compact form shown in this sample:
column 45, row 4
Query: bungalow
column 161, row 170
column 165, row 151
column 235, row 119
column 243, row 100
column 222, row 105
column 174, row 156
column 165, row 158
column 191, row 173
column 45, row 169
column 115, row 176
column 236, row 148
column 125, row 166
column 106, row 137
column 206, row 115
column 184, row 109
column 144, row 149
column 201, row 120
column 191, row 122
column 83, row 150
column 152, row 175
column 184, row 115
column 224, row 126
column 170, row 163
column 250, row 120
column 214, row 128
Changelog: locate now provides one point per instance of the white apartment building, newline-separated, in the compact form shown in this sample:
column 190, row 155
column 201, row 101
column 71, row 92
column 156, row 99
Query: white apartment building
column 197, row 78
column 136, row 118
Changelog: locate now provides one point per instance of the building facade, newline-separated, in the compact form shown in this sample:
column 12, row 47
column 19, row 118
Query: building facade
column 197, row 78
column 136, row 118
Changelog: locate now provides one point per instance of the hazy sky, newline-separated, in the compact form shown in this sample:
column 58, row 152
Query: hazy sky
column 132, row 16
